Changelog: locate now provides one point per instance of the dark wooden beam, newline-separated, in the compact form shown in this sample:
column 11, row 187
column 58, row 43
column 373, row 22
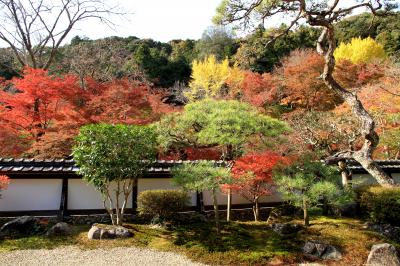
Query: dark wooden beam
column 64, row 200
column 70, row 175
column 134, row 196
column 200, row 202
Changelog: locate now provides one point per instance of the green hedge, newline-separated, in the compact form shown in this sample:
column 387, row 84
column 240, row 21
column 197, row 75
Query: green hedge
column 381, row 204
column 162, row 203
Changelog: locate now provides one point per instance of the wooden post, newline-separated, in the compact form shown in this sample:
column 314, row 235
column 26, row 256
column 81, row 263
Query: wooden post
column 345, row 173
column 200, row 202
column 64, row 200
column 134, row 196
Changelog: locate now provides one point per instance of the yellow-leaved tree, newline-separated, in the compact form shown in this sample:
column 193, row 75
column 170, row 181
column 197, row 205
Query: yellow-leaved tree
column 360, row 51
column 210, row 79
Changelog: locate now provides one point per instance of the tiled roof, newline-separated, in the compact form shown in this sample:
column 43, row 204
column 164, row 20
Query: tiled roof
column 12, row 165
column 18, row 165
column 384, row 164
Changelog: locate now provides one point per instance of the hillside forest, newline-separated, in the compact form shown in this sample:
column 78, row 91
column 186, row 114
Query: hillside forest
column 139, row 81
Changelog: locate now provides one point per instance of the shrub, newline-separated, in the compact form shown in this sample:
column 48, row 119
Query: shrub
column 162, row 203
column 382, row 204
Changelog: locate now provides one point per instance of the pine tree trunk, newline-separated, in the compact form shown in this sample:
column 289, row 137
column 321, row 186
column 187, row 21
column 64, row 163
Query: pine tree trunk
column 228, row 206
column 326, row 46
column 305, row 213
column 216, row 212
column 256, row 210
column 345, row 173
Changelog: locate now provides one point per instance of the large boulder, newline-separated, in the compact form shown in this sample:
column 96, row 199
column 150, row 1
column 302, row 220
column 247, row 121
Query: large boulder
column 322, row 251
column 285, row 228
column 108, row 232
column 21, row 226
column 60, row 229
column 383, row 255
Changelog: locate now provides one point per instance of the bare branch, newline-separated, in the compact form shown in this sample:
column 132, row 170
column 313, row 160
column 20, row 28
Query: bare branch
column 35, row 29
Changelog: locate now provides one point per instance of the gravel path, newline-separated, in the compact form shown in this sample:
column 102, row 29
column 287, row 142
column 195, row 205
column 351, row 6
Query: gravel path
column 77, row 257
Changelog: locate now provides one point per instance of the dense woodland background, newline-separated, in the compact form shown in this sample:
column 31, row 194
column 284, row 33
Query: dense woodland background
column 136, row 81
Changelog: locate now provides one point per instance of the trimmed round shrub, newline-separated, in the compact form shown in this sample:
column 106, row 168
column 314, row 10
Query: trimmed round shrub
column 381, row 204
column 162, row 203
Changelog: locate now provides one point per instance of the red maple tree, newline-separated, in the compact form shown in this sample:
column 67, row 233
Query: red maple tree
column 259, row 89
column 46, row 111
column 253, row 176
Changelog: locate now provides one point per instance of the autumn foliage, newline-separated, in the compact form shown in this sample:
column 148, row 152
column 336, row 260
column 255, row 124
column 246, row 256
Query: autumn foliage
column 4, row 181
column 253, row 176
column 360, row 51
column 301, row 82
column 259, row 89
column 44, row 112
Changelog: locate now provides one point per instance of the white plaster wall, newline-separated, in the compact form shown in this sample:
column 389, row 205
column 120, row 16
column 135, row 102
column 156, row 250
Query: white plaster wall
column 31, row 195
column 82, row 195
column 165, row 183
column 366, row 179
column 237, row 199
column 45, row 194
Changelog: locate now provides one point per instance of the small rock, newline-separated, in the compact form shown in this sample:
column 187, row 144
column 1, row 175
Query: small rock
column 60, row 229
column 108, row 232
column 94, row 232
column 21, row 226
column 383, row 255
column 285, row 229
column 331, row 253
column 309, row 248
column 321, row 250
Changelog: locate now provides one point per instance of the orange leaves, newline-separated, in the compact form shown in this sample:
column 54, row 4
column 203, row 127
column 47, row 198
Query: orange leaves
column 258, row 89
column 48, row 110
column 261, row 165
column 4, row 181
column 253, row 174
column 36, row 100
column 302, row 85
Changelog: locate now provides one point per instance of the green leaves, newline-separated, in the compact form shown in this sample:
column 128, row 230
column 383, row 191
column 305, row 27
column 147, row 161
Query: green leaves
column 313, row 181
column 212, row 122
column 106, row 153
column 201, row 175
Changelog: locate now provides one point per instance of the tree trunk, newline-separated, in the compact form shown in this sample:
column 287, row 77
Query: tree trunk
column 216, row 213
column 256, row 210
column 371, row 138
column 305, row 213
column 127, row 190
column 345, row 173
column 397, row 156
column 117, row 209
column 109, row 209
column 228, row 206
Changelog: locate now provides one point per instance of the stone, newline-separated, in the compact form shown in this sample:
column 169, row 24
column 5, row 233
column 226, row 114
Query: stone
column 94, row 232
column 383, row 255
column 321, row 250
column 108, row 232
column 60, row 229
column 311, row 264
column 387, row 230
column 331, row 253
column 348, row 210
column 21, row 226
column 285, row 228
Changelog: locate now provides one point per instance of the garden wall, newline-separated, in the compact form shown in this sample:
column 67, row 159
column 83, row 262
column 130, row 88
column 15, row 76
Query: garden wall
column 70, row 194
column 44, row 196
